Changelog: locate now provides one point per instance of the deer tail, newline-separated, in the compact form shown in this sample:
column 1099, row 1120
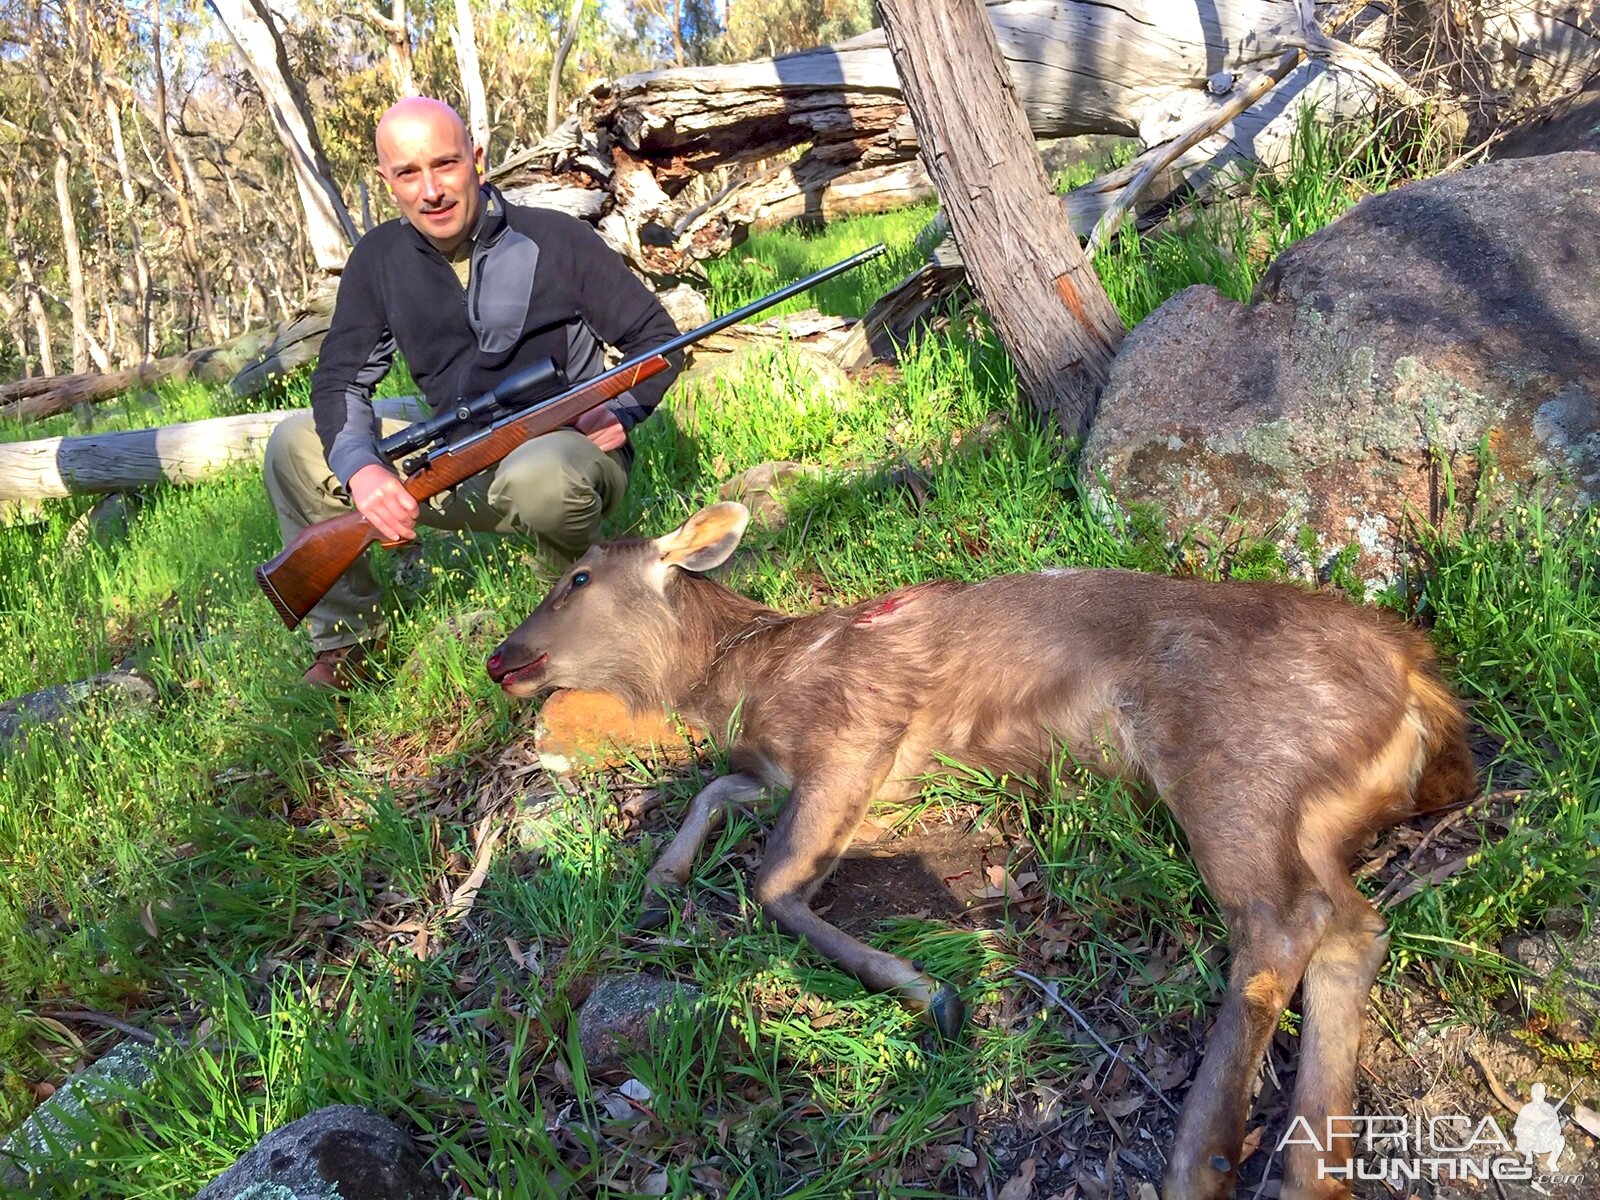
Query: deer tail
column 1448, row 776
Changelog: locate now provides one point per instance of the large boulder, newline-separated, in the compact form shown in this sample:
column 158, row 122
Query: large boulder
column 1425, row 324
column 342, row 1152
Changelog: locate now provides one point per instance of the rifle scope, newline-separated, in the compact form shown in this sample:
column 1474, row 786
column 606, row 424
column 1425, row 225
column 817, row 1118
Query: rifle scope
column 507, row 395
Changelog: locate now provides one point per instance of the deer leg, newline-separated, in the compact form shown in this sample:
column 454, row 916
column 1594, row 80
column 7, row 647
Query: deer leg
column 673, row 866
column 1334, row 993
column 814, row 829
column 1271, row 944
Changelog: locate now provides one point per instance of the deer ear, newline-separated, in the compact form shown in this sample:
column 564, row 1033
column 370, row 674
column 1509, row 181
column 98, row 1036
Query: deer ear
column 706, row 539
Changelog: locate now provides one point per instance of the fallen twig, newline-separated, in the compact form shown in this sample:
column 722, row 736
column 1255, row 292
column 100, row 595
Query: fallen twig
column 1052, row 993
column 90, row 1017
column 1512, row 1105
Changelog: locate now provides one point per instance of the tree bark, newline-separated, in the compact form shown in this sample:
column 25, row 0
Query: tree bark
column 136, row 458
column 569, row 35
column 466, row 40
column 1033, row 278
column 250, row 27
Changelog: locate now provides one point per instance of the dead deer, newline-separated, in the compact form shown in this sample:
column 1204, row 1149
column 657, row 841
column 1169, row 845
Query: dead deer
column 1281, row 728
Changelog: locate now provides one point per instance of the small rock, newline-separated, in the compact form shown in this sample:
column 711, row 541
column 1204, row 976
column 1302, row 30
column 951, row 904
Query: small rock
column 595, row 731
column 761, row 488
column 1566, row 966
column 614, row 1022
column 59, row 704
column 48, row 1136
column 108, row 521
column 687, row 307
column 343, row 1152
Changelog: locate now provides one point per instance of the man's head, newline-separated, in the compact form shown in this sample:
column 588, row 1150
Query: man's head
column 431, row 166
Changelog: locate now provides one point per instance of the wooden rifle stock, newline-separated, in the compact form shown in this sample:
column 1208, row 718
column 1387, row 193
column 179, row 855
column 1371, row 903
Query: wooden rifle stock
column 296, row 580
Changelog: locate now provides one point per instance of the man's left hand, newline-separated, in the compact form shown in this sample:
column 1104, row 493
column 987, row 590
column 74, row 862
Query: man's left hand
column 600, row 426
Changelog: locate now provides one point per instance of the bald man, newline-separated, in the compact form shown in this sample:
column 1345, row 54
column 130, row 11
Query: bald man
column 469, row 289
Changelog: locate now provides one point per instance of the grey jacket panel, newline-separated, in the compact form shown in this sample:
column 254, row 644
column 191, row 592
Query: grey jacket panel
column 501, row 288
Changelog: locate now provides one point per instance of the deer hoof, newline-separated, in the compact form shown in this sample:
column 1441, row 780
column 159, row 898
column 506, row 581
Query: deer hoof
column 654, row 913
column 947, row 1012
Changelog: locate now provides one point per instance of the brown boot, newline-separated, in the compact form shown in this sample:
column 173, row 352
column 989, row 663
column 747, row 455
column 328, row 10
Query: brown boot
column 344, row 669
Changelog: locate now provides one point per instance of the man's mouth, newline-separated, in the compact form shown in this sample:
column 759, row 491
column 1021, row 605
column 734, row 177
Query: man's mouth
column 435, row 214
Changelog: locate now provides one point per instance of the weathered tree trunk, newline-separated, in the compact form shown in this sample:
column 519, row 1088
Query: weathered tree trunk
column 1035, row 282
column 250, row 26
column 466, row 40
column 136, row 458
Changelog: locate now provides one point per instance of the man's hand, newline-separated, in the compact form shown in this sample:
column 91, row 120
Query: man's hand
column 380, row 497
column 600, row 426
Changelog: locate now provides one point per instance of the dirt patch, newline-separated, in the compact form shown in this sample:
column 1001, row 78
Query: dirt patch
column 933, row 870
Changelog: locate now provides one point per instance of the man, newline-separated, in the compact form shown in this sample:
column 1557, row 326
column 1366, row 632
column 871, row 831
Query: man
column 469, row 289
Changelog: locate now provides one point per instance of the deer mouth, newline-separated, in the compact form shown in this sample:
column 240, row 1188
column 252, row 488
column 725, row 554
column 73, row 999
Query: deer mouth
column 518, row 681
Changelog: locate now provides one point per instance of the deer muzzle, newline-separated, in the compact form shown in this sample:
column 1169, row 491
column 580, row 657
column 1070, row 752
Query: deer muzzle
column 515, row 674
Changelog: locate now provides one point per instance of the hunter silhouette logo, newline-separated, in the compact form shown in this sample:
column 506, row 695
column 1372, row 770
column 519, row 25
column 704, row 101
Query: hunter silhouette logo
column 1538, row 1129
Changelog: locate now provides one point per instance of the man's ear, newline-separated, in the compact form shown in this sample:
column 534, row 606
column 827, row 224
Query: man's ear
column 706, row 539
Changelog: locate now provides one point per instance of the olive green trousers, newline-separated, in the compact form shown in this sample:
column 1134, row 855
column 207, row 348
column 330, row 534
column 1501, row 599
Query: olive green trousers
column 555, row 489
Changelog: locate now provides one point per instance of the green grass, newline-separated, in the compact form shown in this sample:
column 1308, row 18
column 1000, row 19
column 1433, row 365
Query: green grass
column 233, row 857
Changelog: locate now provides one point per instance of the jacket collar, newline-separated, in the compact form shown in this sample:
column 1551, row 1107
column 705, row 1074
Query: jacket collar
column 491, row 222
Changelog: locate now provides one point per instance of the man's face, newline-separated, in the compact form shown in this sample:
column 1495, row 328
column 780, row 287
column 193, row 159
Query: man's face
column 431, row 168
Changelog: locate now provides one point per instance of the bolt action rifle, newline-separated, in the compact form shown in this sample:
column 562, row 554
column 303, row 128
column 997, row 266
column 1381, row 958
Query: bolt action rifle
column 296, row 580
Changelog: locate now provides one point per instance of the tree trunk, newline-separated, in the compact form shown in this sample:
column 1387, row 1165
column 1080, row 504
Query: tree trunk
column 466, row 40
column 568, row 35
column 72, row 249
column 398, row 32
column 136, row 458
column 1033, row 278
column 250, row 27
column 186, row 221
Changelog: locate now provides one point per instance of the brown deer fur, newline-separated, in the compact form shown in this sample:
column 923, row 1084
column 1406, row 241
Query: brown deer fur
column 1280, row 727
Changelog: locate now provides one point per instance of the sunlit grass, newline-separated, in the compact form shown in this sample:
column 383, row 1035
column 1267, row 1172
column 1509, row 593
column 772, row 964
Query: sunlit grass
column 151, row 862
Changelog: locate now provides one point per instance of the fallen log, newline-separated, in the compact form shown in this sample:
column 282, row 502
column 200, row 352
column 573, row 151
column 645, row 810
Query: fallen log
column 137, row 458
column 58, row 705
column 1146, row 68
column 257, row 356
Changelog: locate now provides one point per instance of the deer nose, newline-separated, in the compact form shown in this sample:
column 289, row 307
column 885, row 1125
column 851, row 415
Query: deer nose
column 496, row 666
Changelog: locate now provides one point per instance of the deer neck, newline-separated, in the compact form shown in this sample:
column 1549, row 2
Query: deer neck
column 718, row 632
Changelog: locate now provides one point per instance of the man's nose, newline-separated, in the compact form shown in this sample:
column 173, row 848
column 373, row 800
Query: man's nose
column 432, row 185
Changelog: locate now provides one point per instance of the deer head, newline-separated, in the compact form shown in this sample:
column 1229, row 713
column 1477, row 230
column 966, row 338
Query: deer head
column 611, row 622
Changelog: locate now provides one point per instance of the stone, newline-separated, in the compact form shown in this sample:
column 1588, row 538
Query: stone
column 129, row 690
column 761, row 489
column 687, row 307
column 343, row 1152
column 614, row 1021
column 577, row 731
column 1565, row 964
column 1442, row 316
column 51, row 1133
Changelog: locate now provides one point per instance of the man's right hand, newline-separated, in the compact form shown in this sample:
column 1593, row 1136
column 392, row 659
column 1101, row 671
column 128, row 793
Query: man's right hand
column 380, row 497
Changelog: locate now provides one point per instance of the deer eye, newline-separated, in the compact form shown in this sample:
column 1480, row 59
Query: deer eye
column 581, row 578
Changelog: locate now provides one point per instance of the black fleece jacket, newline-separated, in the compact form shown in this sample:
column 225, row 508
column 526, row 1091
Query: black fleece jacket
column 543, row 285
